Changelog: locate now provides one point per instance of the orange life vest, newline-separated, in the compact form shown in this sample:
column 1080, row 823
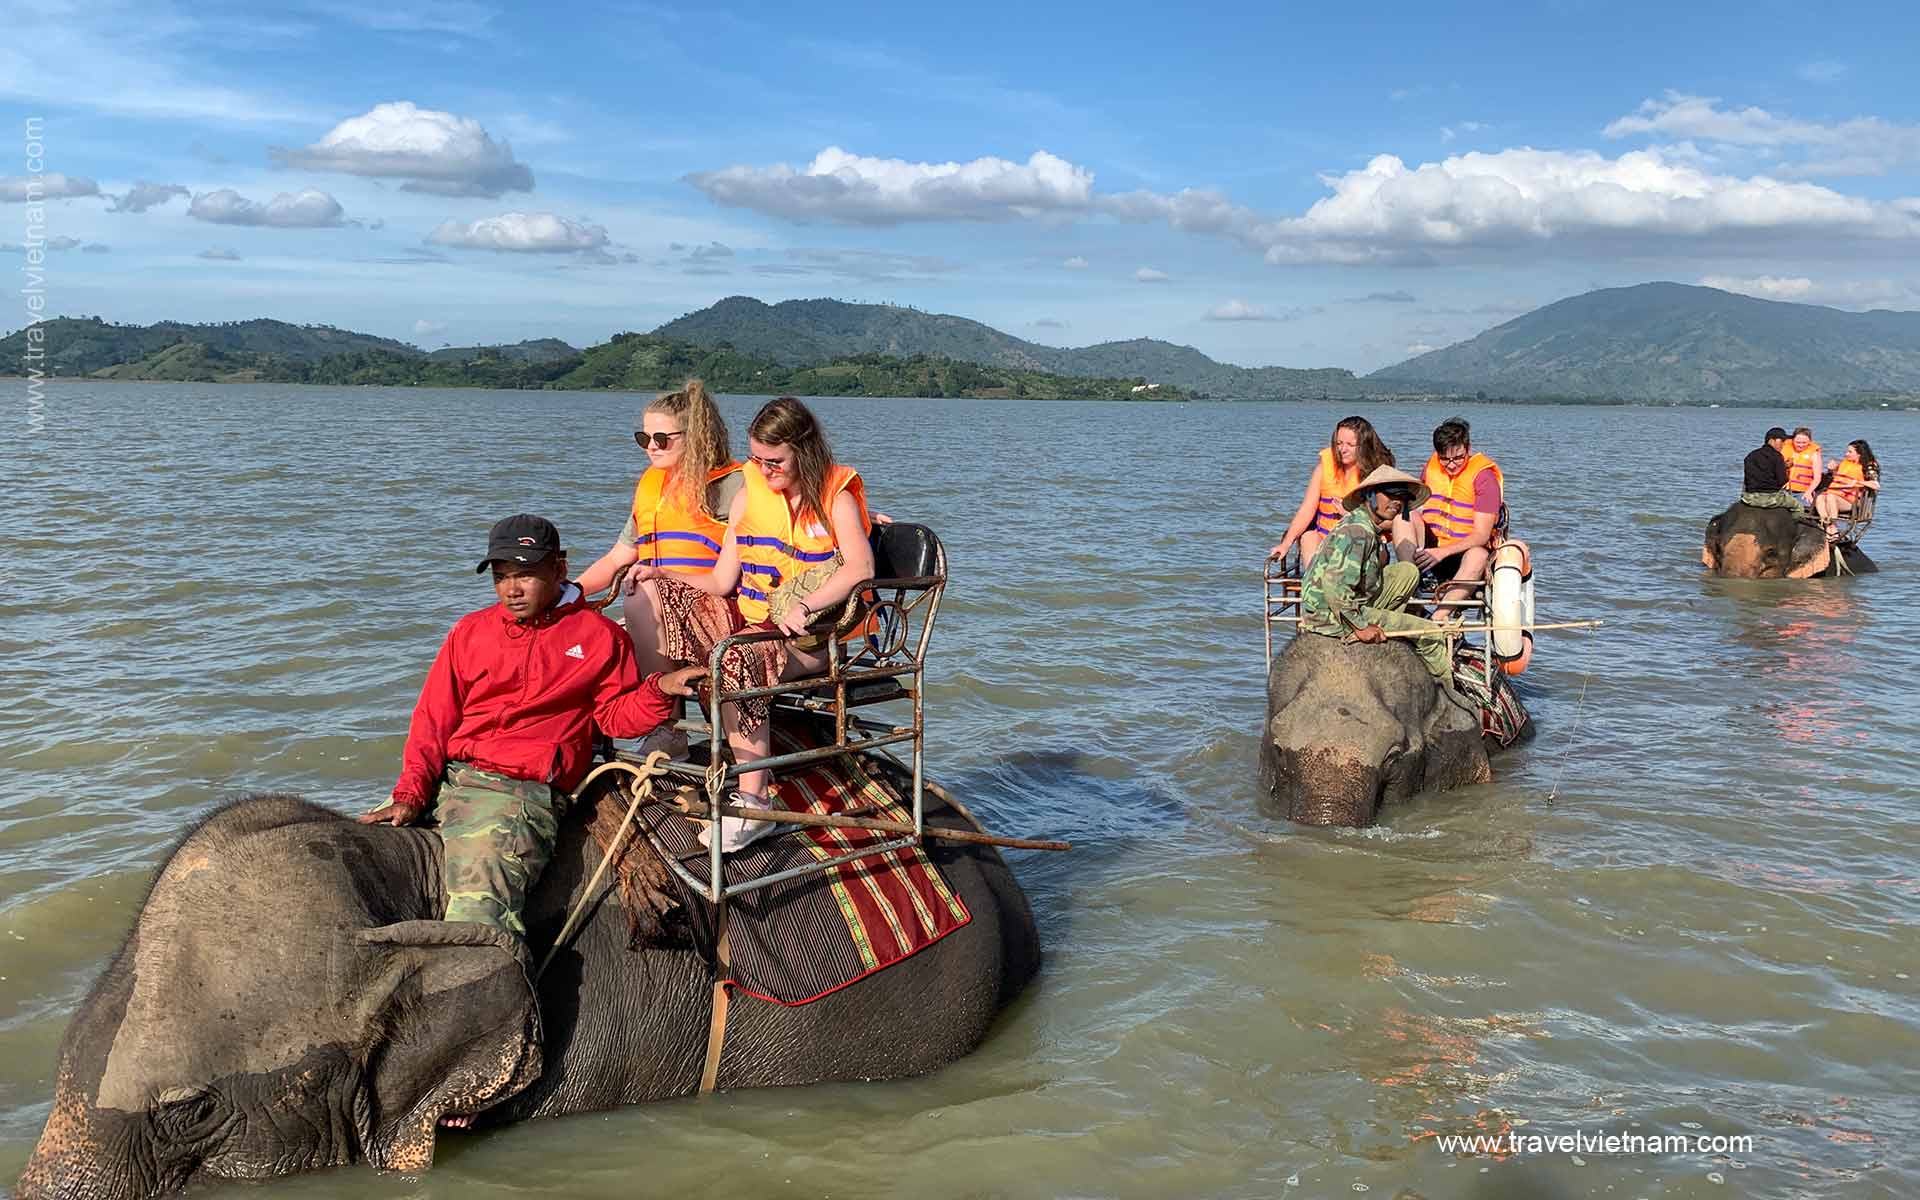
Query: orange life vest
column 668, row 534
column 773, row 545
column 1335, row 486
column 1847, row 476
column 1803, row 466
column 1449, row 511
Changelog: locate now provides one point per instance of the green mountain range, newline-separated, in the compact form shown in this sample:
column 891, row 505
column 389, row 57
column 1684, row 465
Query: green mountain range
column 1675, row 343
column 1657, row 342
column 629, row 362
column 801, row 331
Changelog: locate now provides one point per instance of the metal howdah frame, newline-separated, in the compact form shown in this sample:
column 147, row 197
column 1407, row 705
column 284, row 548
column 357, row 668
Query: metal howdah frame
column 888, row 664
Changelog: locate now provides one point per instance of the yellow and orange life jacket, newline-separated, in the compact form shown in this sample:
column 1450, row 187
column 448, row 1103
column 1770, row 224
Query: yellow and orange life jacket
column 670, row 535
column 774, row 545
column 1335, row 486
column 1847, row 476
column 1449, row 511
column 1803, row 466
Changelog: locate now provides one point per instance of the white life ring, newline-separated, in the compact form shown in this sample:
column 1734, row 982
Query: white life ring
column 1510, row 604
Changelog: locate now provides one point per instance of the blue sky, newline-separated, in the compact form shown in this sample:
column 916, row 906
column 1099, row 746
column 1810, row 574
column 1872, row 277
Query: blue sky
column 1273, row 183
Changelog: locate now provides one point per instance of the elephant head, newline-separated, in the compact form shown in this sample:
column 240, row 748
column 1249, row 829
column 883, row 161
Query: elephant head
column 1745, row 542
column 1352, row 727
column 282, row 1004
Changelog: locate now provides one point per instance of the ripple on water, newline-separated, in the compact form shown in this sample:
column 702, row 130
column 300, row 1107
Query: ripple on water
column 1710, row 927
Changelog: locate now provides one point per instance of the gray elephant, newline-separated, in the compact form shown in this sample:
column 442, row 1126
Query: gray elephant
column 284, row 1004
column 1351, row 728
column 1745, row 542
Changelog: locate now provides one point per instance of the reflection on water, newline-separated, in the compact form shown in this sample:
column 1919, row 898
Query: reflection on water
column 1713, row 926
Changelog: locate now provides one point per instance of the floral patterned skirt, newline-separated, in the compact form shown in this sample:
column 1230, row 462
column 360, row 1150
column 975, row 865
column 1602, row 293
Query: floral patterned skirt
column 692, row 624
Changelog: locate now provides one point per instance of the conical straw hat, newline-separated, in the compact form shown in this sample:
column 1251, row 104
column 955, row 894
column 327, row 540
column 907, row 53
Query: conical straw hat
column 1381, row 477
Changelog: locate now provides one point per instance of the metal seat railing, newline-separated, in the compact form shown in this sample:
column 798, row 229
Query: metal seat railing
column 874, row 656
column 1281, row 599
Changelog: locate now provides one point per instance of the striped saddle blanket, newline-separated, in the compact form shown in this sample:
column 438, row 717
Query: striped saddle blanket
column 800, row 939
column 1502, row 716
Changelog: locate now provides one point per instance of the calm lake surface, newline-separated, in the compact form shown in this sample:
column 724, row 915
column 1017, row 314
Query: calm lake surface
column 1710, row 929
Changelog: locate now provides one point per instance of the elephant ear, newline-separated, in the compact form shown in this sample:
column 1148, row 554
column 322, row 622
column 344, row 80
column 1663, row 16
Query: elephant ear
column 455, row 1029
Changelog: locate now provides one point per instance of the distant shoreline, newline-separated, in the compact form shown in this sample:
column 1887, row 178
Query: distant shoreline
column 1401, row 398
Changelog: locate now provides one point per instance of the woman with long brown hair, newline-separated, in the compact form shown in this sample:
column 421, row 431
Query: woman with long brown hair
column 1354, row 452
column 795, row 548
column 678, row 521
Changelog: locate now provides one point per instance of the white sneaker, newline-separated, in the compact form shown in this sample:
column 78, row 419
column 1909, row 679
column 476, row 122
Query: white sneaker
column 736, row 833
column 666, row 738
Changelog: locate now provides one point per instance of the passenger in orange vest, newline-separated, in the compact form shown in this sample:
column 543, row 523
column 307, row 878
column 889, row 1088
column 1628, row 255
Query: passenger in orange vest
column 681, row 508
column 1803, row 464
column 1858, row 472
column 1467, row 513
column 795, row 548
column 1354, row 453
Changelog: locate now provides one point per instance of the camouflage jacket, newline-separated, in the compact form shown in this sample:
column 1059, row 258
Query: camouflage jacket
column 1344, row 576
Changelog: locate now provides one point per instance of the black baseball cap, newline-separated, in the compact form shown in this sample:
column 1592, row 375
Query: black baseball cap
column 1776, row 432
column 521, row 539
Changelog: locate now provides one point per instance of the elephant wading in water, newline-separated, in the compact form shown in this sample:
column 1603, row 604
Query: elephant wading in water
column 1351, row 728
column 285, row 1004
column 1745, row 542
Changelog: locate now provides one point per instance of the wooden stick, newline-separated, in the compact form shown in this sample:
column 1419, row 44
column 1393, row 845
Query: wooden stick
column 782, row 817
column 1409, row 633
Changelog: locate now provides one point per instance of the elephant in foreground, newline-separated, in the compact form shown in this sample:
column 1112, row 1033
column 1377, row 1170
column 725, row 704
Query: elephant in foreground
column 1351, row 728
column 284, row 1003
column 1774, row 543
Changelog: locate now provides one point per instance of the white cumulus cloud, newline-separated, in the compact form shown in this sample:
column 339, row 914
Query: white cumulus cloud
column 1861, row 146
column 426, row 328
column 1076, row 263
column 52, row 185
column 1151, row 275
column 1238, row 310
column 522, row 233
column 435, row 152
column 306, row 209
column 1863, row 293
column 143, row 196
column 857, row 190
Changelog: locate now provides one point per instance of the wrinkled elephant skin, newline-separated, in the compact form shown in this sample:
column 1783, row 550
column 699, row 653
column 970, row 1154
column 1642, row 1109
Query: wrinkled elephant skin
column 285, row 1004
column 1351, row 728
column 1773, row 543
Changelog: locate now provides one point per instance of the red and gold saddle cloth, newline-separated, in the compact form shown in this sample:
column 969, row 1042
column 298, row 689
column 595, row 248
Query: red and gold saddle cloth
column 800, row 939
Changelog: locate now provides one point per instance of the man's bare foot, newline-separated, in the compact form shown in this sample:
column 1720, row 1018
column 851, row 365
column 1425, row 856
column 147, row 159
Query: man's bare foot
column 457, row 1120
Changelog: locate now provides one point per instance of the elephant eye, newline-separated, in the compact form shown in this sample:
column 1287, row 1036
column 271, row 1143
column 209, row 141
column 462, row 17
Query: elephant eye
column 180, row 1112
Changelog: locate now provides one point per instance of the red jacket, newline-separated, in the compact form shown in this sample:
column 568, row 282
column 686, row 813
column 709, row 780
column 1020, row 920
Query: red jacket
column 523, row 699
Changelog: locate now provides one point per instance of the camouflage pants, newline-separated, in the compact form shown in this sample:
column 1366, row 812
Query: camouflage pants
column 1781, row 499
column 498, row 833
column 1388, row 611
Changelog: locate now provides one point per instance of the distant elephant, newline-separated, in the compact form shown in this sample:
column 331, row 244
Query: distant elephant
column 283, row 1004
column 1774, row 543
column 1352, row 728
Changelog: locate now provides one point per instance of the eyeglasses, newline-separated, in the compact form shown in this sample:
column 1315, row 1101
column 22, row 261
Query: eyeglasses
column 1453, row 458
column 770, row 465
column 660, row 440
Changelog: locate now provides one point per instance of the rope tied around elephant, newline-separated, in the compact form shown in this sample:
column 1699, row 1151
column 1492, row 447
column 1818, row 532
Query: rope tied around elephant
column 647, row 889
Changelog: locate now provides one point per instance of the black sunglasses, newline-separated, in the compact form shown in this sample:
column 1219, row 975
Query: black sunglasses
column 660, row 440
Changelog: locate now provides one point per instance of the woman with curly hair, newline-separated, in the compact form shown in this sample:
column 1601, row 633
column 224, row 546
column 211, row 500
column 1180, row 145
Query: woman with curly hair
column 1354, row 452
column 1858, row 472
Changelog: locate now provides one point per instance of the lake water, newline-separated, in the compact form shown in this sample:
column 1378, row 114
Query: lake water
column 1689, row 907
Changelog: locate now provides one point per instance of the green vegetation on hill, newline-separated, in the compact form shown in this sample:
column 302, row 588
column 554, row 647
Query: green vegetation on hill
column 632, row 362
column 800, row 331
column 1679, row 344
column 84, row 345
